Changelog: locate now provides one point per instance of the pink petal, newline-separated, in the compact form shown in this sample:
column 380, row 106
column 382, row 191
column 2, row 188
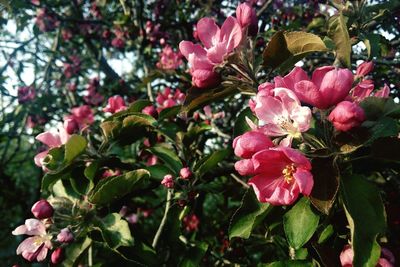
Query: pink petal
column 42, row 254
column 49, row 139
column 245, row 167
column 308, row 93
column 40, row 157
column 296, row 75
column 319, row 74
column 217, row 53
column 296, row 157
column 270, row 162
column 35, row 227
column 20, row 230
column 187, row 48
column 29, row 245
column 231, row 33
column 208, row 32
column 269, row 108
column 302, row 116
column 383, row 92
column 335, row 86
column 304, row 180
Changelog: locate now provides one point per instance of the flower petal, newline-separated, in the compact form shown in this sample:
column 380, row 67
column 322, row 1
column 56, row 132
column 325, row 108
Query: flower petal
column 208, row 31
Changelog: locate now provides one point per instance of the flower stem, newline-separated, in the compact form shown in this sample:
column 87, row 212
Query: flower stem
column 164, row 219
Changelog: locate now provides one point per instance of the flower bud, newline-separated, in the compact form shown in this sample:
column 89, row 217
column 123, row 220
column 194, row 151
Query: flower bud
column 65, row 236
column 346, row 115
column 247, row 17
column 42, row 209
column 185, row 173
column 365, row 68
column 248, row 144
column 168, row 181
column 71, row 126
column 57, row 256
column 150, row 110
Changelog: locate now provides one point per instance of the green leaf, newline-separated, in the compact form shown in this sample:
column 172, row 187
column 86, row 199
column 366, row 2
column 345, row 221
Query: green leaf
column 115, row 231
column 169, row 112
column 75, row 146
column 158, row 171
column 325, row 234
column 197, row 98
column 112, row 188
column 194, row 255
column 326, row 184
column 337, row 31
column 384, row 127
column 241, row 125
column 167, row 155
column 287, row 48
column 139, row 119
column 300, row 223
column 209, row 162
column 250, row 213
column 288, row 263
column 366, row 216
column 386, row 148
column 376, row 107
column 74, row 251
column 110, row 129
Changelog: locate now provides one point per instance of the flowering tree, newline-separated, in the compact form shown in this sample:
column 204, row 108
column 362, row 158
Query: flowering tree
column 180, row 133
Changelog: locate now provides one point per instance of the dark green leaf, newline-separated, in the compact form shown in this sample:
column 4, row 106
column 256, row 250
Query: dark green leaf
column 167, row 155
column 74, row 250
column 169, row 112
column 112, row 188
column 300, row 223
column 250, row 213
column 288, row 263
column 366, row 216
column 326, row 184
column 210, row 161
column 115, row 231
column 158, row 171
column 194, row 255
column 241, row 125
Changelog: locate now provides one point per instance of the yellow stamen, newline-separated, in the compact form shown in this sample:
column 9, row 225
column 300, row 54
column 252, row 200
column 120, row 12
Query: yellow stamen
column 288, row 172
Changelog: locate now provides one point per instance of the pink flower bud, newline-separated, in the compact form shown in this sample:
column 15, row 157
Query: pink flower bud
column 118, row 43
column 132, row 218
column 42, row 209
column 248, row 144
column 185, row 173
column 57, row 256
column 346, row 115
column 150, row 110
column 247, row 17
column 65, row 236
column 191, row 222
column 71, row 126
column 383, row 92
column 365, row 68
column 168, row 181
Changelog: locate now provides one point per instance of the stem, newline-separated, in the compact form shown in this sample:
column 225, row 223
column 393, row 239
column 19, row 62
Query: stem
column 90, row 256
column 163, row 220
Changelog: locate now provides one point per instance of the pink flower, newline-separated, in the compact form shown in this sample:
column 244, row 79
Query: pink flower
column 217, row 42
column 109, row 172
column 282, row 114
column 83, row 115
column 362, row 90
column 152, row 160
column 118, row 43
column 71, row 126
column 327, row 87
column 45, row 21
column 364, row 68
column 185, row 173
column 65, row 236
column 50, row 139
column 42, row 209
column 169, row 60
column 383, row 92
column 169, row 98
column 115, row 104
column 26, row 94
column 150, row 110
column 247, row 17
column 168, row 181
column 36, row 246
column 57, row 256
column 246, row 145
column 347, row 256
column 346, row 115
column 191, row 222
column 66, row 34
column 280, row 175
column 132, row 218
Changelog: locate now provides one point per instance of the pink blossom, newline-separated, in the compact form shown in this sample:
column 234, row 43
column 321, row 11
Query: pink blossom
column 168, row 181
column 191, row 222
column 26, row 94
column 109, row 172
column 364, row 68
column 150, row 110
column 169, row 60
column 185, row 173
column 386, row 259
column 50, row 139
column 73, row 67
column 118, row 43
column 218, row 43
column 246, row 145
column 83, row 115
column 57, row 256
column 346, row 115
column 115, row 104
column 282, row 114
column 71, row 126
column 383, row 92
column 66, row 34
column 34, row 247
column 42, row 209
column 362, row 90
column 327, row 87
column 169, row 98
column 152, row 160
column 247, row 17
column 65, row 236
column 45, row 21
column 280, row 175
column 132, row 218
